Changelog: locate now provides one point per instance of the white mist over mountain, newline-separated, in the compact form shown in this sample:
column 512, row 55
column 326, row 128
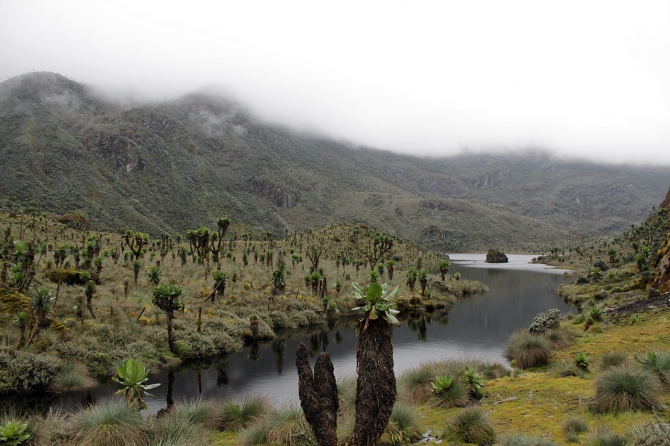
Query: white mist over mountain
column 586, row 79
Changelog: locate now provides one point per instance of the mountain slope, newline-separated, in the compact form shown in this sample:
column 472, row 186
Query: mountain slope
column 178, row 165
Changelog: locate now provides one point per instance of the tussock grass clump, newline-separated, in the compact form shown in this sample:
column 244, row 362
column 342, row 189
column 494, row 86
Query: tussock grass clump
column 284, row 425
column 110, row 423
column 414, row 384
column 526, row 440
column 527, row 350
column 560, row 338
column 612, row 359
column 565, row 369
column 605, row 437
column 659, row 365
column 454, row 395
column 470, row 425
column 626, row 388
column 73, row 377
column 239, row 415
column 178, row 430
column 197, row 411
column 574, row 426
column 403, row 427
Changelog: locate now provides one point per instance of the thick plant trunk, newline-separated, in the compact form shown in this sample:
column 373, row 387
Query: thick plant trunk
column 169, row 329
column 318, row 396
column 89, row 304
column 375, row 385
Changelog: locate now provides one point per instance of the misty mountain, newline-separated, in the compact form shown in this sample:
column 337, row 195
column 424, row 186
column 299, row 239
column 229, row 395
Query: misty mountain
column 173, row 166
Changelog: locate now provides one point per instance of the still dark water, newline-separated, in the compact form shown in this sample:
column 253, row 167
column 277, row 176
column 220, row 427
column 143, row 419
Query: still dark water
column 476, row 327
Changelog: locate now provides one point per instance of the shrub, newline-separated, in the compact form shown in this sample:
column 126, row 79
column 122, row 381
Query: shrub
column 527, row 350
column 651, row 434
column 239, row 415
column 624, row 388
column 26, row 372
column 470, row 425
column 526, row 440
column 402, row 427
column 110, row 423
column 544, row 322
column 612, row 359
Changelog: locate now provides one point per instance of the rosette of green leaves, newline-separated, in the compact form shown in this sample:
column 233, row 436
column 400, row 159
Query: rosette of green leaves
column 14, row 433
column 376, row 302
column 132, row 375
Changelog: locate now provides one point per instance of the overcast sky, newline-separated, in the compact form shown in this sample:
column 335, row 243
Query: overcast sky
column 579, row 78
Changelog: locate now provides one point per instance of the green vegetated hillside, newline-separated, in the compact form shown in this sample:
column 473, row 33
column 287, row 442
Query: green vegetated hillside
column 172, row 166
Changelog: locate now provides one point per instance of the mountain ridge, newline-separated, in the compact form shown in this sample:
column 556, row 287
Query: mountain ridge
column 177, row 165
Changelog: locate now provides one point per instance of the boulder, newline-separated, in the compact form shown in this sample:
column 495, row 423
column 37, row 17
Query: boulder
column 495, row 256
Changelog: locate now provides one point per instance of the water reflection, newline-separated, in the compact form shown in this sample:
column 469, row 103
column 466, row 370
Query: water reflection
column 477, row 327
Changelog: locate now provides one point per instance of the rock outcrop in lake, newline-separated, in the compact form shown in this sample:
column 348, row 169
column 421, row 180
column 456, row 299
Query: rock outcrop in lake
column 495, row 256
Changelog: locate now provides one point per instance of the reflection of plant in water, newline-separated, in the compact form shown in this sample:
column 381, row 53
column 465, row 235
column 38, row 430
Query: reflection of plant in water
column 422, row 330
column 279, row 350
column 221, row 375
column 253, row 352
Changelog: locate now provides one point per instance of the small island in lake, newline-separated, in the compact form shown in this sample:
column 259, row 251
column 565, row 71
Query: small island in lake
column 495, row 256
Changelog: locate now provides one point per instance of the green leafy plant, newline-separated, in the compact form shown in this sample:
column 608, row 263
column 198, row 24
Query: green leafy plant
column 596, row 314
column 441, row 384
column 448, row 391
column 154, row 275
column 582, row 360
column 474, row 381
column 14, row 433
column 376, row 301
column 132, row 375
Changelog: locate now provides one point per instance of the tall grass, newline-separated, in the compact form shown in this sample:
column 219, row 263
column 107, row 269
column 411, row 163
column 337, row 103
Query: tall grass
column 346, row 391
column 605, row 437
column 178, row 430
column 284, row 425
column 110, row 423
column 626, row 388
column 204, row 413
column 612, row 359
column 574, row 426
column 658, row 364
column 239, row 415
column 470, row 425
column 527, row 350
column 403, row 426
